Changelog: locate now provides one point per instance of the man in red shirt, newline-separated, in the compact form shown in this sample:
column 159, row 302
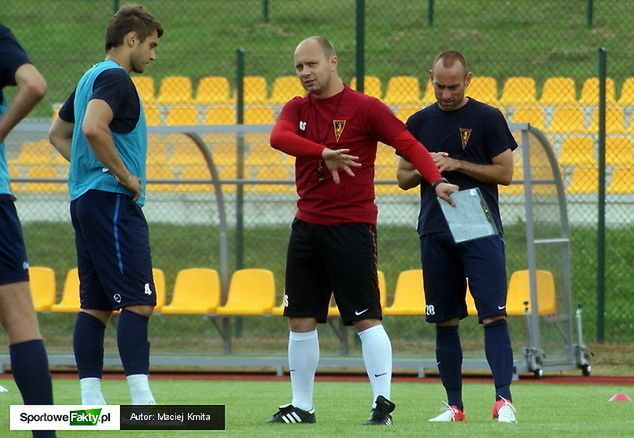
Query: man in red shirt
column 333, row 133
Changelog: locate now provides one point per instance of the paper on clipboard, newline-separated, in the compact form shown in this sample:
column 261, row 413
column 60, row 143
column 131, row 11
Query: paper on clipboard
column 470, row 218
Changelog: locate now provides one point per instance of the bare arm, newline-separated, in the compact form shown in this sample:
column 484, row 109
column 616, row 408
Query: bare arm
column 96, row 128
column 500, row 171
column 60, row 135
column 407, row 176
column 31, row 89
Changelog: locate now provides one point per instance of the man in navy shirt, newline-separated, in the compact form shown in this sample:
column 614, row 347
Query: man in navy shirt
column 472, row 147
column 103, row 124
column 29, row 363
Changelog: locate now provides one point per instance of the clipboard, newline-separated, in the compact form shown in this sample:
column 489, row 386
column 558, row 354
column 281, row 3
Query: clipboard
column 470, row 219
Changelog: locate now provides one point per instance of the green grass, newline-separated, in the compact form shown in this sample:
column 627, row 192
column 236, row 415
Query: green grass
column 501, row 39
column 543, row 409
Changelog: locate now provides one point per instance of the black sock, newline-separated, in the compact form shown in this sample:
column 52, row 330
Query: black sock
column 449, row 358
column 499, row 353
column 88, row 345
column 132, row 339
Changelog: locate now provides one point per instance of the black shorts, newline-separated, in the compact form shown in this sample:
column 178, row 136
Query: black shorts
column 446, row 268
column 327, row 259
column 14, row 267
column 113, row 251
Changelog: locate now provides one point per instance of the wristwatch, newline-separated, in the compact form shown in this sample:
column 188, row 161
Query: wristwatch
column 440, row 181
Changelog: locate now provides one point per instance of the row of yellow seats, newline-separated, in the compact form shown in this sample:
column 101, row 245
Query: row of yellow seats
column 517, row 90
column 196, row 292
column 409, row 295
column 573, row 119
column 189, row 115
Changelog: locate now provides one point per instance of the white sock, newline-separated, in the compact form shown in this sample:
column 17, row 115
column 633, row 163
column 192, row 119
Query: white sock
column 377, row 356
column 140, row 392
column 91, row 391
column 303, row 357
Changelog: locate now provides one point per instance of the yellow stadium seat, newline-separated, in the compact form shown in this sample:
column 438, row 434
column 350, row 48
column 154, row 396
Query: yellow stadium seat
column 255, row 89
column 144, row 87
column 405, row 111
column 175, row 90
column 182, row 115
column 259, row 116
column 272, row 172
column 371, row 85
column 31, row 153
column 409, row 295
column 577, row 150
column 220, row 116
column 622, row 181
column 186, row 155
column 567, row 120
column 583, row 180
column 159, row 172
column 387, row 173
column 213, row 89
column 333, row 311
column 402, row 90
column 285, row 88
column 195, row 172
column 614, row 121
column 619, row 151
column 484, row 89
column 152, row 115
column 196, row 292
column 518, row 175
column 251, row 292
column 627, row 92
column 532, row 114
column 43, row 288
column 519, row 292
column 70, row 295
column 590, row 92
column 386, row 156
column 519, row 90
column 471, row 307
column 41, row 172
column 558, row 91
column 159, row 286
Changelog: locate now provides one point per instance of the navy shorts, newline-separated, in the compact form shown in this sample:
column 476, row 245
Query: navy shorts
column 113, row 251
column 14, row 267
column 446, row 268
column 323, row 260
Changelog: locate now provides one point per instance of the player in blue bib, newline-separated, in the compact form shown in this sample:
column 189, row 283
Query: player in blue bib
column 472, row 147
column 29, row 363
column 101, row 130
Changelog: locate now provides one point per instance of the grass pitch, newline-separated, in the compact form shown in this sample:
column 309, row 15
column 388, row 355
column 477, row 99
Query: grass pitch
column 543, row 409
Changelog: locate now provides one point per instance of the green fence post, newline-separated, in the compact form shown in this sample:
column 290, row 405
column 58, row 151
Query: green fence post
column 265, row 10
column 590, row 12
column 430, row 13
column 240, row 161
column 601, row 200
column 115, row 6
column 360, row 36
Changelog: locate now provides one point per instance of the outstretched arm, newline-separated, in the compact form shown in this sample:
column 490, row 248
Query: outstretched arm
column 31, row 89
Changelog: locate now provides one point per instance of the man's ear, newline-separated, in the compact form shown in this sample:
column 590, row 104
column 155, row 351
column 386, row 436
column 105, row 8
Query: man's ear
column 467, row 79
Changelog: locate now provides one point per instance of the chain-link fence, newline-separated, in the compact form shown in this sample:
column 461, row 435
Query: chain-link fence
column 536, row 60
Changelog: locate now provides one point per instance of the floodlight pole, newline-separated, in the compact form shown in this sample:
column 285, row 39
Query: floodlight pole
column 601, row 200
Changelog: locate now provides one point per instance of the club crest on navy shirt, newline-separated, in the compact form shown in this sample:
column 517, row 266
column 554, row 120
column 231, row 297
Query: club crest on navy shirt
column 465, row 134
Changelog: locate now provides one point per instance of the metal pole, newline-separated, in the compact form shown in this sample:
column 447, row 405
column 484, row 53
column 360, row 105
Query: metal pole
column 265, row 10
column 360, row 34
column 601, row 200
column 430, row 13
column 240, row 162
column 115, row 6
column 590, row 12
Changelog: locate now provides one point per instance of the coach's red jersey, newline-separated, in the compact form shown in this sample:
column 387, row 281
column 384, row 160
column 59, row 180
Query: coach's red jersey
column 347, row 120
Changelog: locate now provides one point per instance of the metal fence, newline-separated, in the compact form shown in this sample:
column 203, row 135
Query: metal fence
column 536, row 60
